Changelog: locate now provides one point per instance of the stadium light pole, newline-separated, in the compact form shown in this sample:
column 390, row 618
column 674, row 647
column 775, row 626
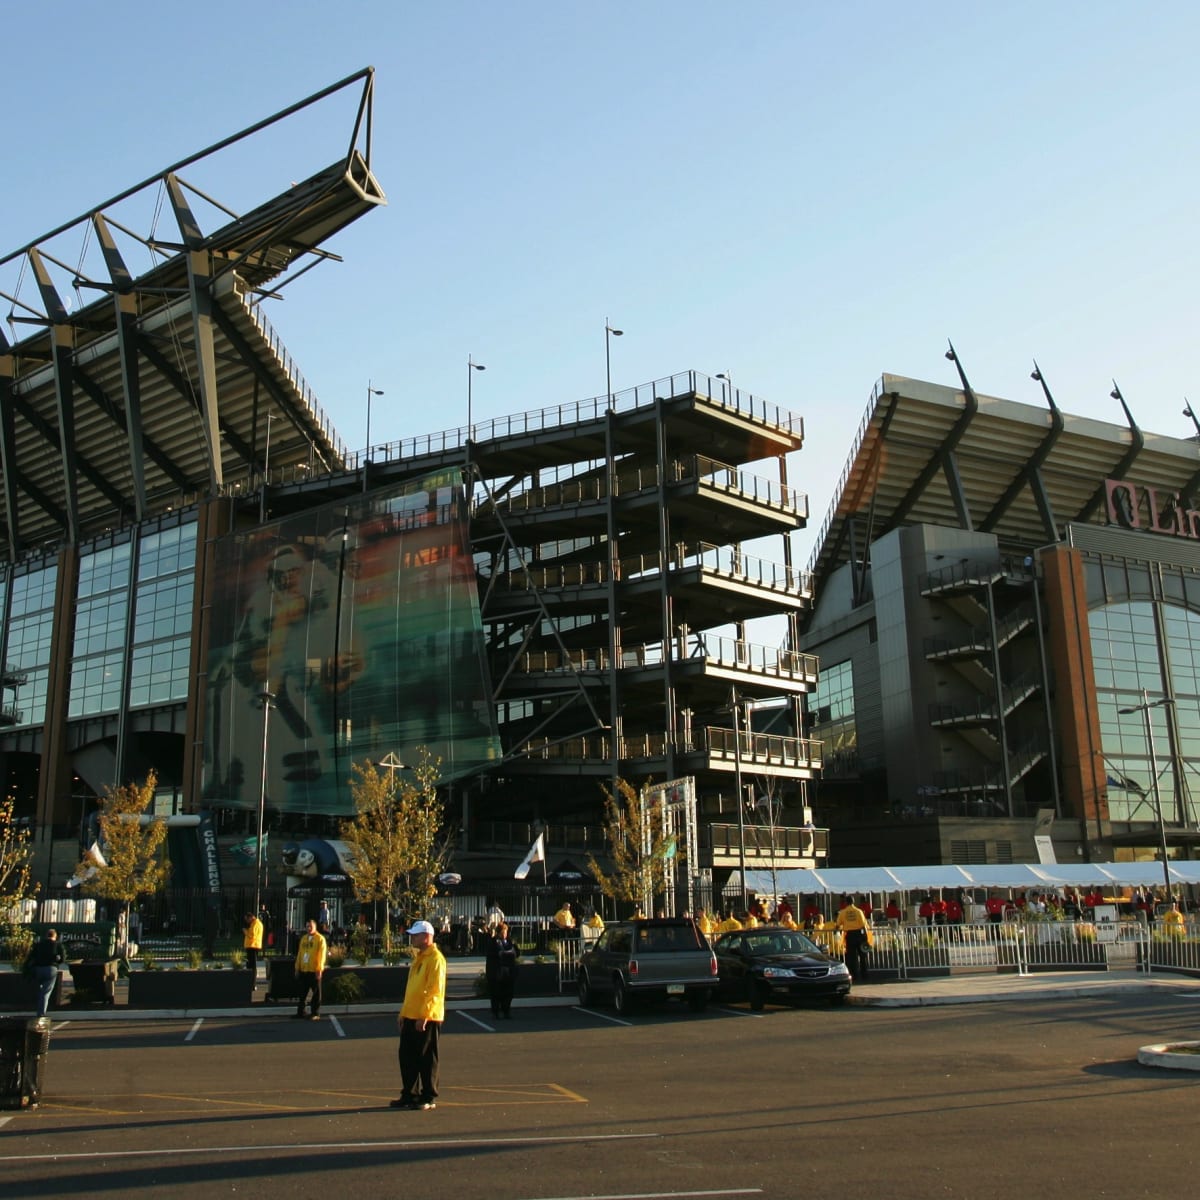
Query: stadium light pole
column 267, row 700
column 472, row 367
column 371, row 391
column 1144, row 708
column 609, row 334
column 262, row 500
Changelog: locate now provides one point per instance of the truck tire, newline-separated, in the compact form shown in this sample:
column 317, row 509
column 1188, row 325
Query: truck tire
column 622, row 1000
column 586, row 995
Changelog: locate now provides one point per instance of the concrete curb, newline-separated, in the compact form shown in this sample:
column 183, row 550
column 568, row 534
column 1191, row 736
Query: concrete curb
column 1160, row 1055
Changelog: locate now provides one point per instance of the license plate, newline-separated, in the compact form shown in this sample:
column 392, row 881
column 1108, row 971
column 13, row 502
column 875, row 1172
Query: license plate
column 674, row 989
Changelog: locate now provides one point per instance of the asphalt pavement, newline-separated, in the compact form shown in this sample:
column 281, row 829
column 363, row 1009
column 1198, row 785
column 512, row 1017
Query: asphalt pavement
column 982, row 987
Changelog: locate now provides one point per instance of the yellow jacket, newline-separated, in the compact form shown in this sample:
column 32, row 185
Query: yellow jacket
column 310, row 954
column 252, row 935
column 729, row 925
column 425, row 994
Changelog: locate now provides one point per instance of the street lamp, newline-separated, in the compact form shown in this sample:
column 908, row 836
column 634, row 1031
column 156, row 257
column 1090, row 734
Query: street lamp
column 472, row 367
column 609, row 334
column 727, row 379
column 735, row 706
column 1144, row 708
column 371, row 391
column 267, row 700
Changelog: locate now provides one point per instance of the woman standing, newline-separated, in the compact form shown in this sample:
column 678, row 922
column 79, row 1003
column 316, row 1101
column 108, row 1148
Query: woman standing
column 501, row 970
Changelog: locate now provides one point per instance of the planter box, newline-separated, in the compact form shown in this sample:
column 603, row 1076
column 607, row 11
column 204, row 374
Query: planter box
column 97, row 978
column 191, row 989
column 536, row 979
column 18, row 994
column 379, row 983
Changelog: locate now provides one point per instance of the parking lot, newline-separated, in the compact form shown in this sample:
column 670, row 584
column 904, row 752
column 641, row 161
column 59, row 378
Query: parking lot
column 565, row 1102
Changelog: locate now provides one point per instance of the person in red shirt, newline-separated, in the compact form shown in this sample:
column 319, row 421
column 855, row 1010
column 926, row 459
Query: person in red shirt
column 865, row 905
column 925, row 912
column 995, row 914
column 939, row 911
column 954, row 912
column 782, row 910
column 812, row 915
column 892, row 912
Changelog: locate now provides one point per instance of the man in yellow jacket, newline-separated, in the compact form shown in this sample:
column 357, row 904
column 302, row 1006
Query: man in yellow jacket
column 421, row 1017
column 856, row 929
column 252, row 935
column 310, row 966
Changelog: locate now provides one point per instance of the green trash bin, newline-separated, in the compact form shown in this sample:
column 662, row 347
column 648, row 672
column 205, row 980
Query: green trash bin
column 24, row 1047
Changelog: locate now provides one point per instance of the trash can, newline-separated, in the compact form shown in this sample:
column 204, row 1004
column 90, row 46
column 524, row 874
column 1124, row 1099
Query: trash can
column 24, row 1046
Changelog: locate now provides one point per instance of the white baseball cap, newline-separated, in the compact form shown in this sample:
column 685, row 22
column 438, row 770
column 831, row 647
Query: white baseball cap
column 420, row 927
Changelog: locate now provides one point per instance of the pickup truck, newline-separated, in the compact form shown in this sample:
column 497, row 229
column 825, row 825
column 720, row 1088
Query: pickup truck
column 664, row 958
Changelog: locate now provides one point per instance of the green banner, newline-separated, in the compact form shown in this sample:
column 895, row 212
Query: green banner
column 362, row 622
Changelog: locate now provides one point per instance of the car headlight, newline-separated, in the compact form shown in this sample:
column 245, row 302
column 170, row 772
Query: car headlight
column 776, row 973
column 839, row 968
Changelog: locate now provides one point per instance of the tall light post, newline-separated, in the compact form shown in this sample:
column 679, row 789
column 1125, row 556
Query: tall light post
column 609, row 334
column 267, row 700
column 371, row 391
column 735, row 705
column 1144, row 708
column 727, row 382
column 262, row 500
column 472, row 367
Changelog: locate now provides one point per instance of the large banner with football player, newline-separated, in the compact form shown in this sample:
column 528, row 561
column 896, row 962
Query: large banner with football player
column 361, row 621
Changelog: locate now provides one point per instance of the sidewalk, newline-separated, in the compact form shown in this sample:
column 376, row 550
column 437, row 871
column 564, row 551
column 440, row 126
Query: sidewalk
column 989, row 988
column 978, row 988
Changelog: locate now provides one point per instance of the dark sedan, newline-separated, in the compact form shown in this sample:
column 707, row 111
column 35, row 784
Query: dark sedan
column 780, row 965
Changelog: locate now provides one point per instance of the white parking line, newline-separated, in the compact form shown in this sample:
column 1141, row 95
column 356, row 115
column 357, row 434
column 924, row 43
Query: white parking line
column 5, row 1120
column 337, row 1025
column 455, row 1143
column 661, row 1195
column 60, row 1025
column 737, row 1012
column 195, row 1029
column 476, row 1021
column 591, row 1012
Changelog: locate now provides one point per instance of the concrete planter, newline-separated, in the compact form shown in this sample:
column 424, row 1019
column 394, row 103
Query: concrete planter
column 18, row 994
column 190, row 989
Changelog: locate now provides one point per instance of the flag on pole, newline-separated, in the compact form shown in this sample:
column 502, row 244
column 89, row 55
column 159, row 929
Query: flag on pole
column 537, row 853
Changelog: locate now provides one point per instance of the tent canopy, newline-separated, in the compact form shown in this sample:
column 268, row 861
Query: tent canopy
column 842, row 880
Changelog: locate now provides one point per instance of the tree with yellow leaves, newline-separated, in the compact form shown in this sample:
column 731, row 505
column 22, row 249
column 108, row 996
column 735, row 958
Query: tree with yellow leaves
column 396, row 837
column 638, row 846
column 132, row 861
column 16, row 861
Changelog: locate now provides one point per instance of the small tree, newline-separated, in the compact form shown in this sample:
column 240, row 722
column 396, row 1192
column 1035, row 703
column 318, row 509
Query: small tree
column 396, row 836
column 134, row 862
column 16, row 864
column 638, row 845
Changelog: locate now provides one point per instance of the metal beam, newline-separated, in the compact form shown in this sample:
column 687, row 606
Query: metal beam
column 8, row 445
column 200, row 273
column 1120, row 470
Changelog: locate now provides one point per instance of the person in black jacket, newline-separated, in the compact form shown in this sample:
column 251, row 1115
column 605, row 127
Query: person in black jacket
column 501, row 970
column 45, row 959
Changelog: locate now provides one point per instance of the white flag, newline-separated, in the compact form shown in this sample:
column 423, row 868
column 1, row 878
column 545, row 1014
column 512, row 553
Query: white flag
column 537, row 853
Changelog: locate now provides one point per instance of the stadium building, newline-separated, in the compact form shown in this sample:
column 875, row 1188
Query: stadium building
column 1007, row 617
column 200, row 579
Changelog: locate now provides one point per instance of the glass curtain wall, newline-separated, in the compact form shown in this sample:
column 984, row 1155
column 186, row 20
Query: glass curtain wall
column 1145, row 635
column 27, row 646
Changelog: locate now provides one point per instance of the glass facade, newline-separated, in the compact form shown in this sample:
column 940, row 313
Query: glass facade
column 162, row 617
column 1151, row 647
column 101, row 614
column 833, row 706
column 27, row 647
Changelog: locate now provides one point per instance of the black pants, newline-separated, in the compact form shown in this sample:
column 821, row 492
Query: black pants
column 418, row 1055
column 252, row 959
column 308, row 981
column 856, row 960
column 500, row 992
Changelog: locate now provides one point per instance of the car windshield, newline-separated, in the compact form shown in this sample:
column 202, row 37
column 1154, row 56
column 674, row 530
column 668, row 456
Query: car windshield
column 780, row 941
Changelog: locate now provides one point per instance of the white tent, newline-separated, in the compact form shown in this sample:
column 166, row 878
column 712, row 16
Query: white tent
column 868, row 880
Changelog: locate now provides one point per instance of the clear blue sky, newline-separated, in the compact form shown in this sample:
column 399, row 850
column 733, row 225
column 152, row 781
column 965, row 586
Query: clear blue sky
column 805, row 195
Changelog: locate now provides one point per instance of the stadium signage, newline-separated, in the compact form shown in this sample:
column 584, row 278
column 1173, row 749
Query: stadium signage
column 1139, row 506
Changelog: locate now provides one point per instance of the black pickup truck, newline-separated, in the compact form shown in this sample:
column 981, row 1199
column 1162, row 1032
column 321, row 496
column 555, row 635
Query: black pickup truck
column 665, row 958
